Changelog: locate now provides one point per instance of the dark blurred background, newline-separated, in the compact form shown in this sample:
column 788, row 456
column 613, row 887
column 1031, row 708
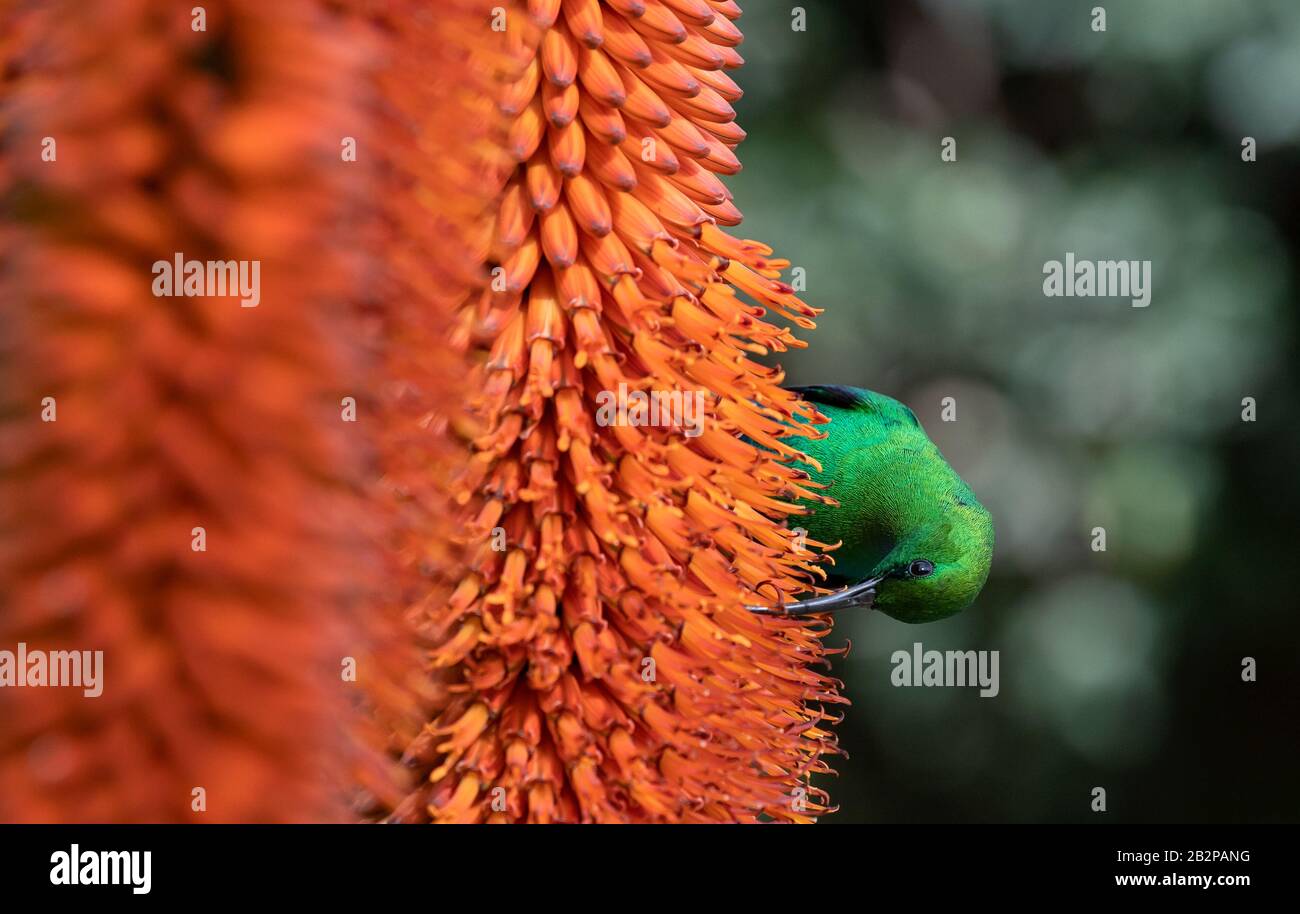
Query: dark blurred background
column 1119, row 669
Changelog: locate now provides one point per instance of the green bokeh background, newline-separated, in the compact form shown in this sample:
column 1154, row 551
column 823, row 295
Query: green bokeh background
column 1119, row 669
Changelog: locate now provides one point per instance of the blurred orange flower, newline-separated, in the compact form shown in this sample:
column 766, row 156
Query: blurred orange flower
column 222, row 695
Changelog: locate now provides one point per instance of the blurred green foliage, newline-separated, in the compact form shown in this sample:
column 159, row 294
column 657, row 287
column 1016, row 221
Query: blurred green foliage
column 1120, row 669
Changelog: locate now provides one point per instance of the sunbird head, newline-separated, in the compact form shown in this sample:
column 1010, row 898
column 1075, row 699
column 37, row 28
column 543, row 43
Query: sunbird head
column 915, row 542
column 939, row 569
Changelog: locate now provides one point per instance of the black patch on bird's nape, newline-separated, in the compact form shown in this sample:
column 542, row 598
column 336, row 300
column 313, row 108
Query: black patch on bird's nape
column 832, row 395
column 889, row 411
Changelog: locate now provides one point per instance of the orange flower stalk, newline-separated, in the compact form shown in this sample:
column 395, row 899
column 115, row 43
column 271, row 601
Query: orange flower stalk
column 221, row 668
column 595, row 661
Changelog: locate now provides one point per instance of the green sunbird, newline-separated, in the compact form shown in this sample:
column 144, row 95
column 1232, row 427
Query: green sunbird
column 916, row 543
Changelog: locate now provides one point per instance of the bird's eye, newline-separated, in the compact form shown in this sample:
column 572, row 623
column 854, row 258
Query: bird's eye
column 920, row 568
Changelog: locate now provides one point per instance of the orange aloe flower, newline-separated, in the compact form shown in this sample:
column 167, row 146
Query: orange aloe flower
column 221, row 668
column 595, row 661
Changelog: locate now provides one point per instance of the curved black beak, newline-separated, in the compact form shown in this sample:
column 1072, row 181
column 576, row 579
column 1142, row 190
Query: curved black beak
column 856, row 596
